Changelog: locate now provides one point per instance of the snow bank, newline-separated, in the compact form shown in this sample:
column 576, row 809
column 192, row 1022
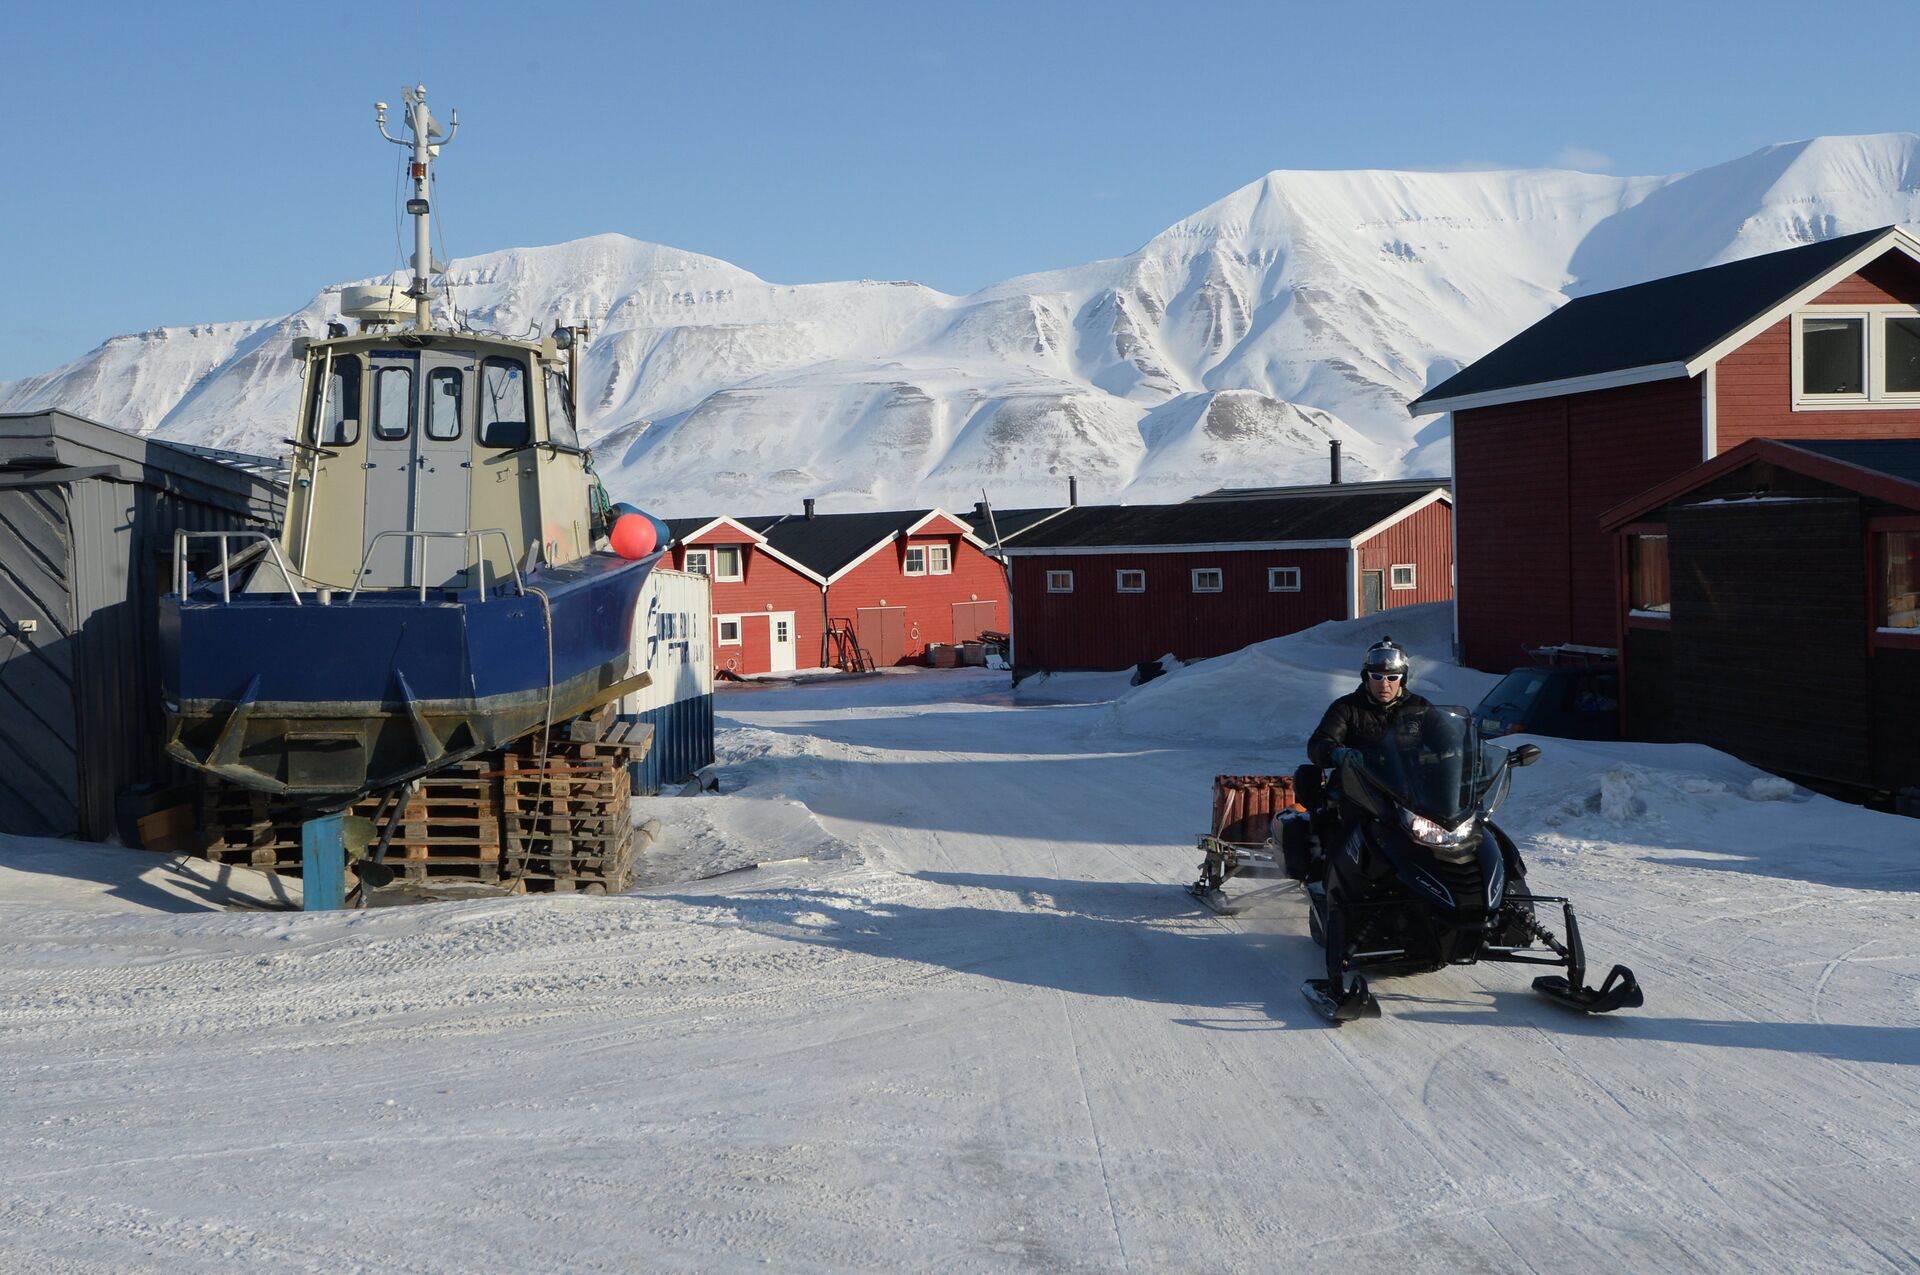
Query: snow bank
column 1274, row 692
column 41, row 872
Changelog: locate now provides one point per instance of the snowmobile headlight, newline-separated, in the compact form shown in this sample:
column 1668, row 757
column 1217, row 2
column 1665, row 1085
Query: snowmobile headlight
column 1429, row 833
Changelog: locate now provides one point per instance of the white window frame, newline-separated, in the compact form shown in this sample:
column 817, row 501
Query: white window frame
column 939, row 560
column 705, row 566
column 1873, row 376
column 739, row 560
column 1220, row 580
column 1393, row 576
column 1120, row 584
column 1059, row 582
column 720, row 623
column 1277, row 576
column 907, row 567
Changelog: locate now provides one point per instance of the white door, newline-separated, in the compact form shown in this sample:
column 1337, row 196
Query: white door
column 780, row 641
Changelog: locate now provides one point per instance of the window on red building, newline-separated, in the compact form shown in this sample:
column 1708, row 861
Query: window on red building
column 939, row 560
column 1649, row 582
column 727, row 562
column 1900, row 580
column 1208, row 580
column 1059, row 582
column 1130, row 580
column 1283, row 579
column 916, row 560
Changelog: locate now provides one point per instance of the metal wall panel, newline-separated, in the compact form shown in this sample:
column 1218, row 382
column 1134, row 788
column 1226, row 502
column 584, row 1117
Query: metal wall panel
column 672, row 640
column 39, row 755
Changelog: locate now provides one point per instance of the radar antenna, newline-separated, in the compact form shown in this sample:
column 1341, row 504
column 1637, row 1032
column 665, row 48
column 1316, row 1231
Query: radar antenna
column 428, row 137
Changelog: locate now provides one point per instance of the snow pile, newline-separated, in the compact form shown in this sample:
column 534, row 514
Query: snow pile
column 1227, row 350
column 1275, row 692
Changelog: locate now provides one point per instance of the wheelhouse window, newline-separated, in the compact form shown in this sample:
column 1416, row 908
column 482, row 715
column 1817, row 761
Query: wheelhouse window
column 1283, row 579
column 1859, row 358
column 1649, row 582
column 700, row 561
column 1059, row 582
column 443, row 403
column 1130, row 580
column 1900, row 580
column 1208, row 580
column 939, row 560
column 729, row 626
column 1401, row 577
column 506, row 403
column 560, row 425
column 916, row 560
column 393, row 403
column 340, row 423
column 727, row 562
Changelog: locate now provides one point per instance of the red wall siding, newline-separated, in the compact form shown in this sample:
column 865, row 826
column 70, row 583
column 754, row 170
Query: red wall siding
column 768, row 584
column 1425, row 540
column 1894, row 279
column 1754, row 398
column 928, row 599
column 1098, row 627
column 1530, row 481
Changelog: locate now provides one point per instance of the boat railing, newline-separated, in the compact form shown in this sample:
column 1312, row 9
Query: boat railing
column 181, row 538
column 476, row 536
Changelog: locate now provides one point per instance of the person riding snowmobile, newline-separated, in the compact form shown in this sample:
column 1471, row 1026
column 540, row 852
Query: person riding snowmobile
column 1361, row 718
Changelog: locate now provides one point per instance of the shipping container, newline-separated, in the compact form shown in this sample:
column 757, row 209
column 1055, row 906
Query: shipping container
column 672, row 640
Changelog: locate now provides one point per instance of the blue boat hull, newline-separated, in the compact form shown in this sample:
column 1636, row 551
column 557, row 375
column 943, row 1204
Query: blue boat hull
column 361, row 695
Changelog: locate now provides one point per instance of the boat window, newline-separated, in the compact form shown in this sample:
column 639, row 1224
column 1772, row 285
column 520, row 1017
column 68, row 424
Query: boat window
column 393, row 402
column 443, row 403
column 342, row 423
column 560, row 426
column 505, row 405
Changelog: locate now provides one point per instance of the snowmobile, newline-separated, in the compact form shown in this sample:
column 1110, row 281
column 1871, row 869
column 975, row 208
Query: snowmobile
column 1405, row 871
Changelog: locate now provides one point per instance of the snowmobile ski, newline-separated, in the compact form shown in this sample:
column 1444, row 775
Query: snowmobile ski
column 1620, row 990
column 1357, row 1002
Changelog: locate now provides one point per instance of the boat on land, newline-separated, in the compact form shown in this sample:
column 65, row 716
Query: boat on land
column 435, row 591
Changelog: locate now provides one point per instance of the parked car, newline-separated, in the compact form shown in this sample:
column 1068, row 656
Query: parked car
column 1572, row 702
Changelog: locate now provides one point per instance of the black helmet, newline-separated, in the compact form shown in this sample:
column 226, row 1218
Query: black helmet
column 1384, row 657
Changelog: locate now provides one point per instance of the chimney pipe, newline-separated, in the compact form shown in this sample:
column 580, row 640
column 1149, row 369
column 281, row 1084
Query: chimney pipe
column 808, row 503
column 1333, row 451
column 1073, row 490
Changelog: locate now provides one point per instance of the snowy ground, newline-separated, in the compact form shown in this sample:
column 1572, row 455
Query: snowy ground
column 975, row 1024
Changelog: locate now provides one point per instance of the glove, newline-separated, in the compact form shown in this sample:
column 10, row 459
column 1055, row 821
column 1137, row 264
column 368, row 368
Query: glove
column 1342, row 756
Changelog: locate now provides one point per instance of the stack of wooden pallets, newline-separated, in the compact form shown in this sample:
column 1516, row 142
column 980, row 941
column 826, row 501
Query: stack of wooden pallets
column 504, row 818
column 567, row 823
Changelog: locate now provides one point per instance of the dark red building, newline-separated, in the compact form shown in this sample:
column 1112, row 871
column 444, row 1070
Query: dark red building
column 1791, row 570
column 802, row 590
column 1110, row 586
column 1621, row 390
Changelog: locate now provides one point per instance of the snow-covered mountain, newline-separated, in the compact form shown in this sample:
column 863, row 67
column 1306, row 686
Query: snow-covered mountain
column 1227, row 350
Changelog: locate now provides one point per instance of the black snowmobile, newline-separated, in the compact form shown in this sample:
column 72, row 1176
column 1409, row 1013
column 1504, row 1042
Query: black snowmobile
column 1405, row 870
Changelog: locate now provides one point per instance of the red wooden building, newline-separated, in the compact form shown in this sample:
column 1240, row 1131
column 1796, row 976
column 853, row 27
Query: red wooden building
column 799, row 591
column 1792, row 571
column 1620, row 390
column 1110, row 586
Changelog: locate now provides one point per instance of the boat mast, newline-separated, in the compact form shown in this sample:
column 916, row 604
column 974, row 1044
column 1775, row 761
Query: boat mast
column 426, row 142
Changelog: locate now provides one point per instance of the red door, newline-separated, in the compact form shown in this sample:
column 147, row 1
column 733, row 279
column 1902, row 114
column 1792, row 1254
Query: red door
column 971, row 619
column 883, row 632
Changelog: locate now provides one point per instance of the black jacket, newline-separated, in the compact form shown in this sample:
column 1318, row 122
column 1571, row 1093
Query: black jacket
column 1355, row 721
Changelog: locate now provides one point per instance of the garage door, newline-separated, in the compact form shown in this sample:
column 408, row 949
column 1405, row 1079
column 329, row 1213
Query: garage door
column 883, row 632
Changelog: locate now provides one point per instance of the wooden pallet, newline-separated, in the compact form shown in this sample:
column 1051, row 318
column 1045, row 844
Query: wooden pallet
column 565, row 813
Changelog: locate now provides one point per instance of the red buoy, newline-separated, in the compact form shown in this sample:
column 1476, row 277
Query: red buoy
column 634, row 536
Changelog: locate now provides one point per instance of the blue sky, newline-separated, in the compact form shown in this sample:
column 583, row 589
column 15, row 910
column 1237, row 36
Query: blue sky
column 187, row 163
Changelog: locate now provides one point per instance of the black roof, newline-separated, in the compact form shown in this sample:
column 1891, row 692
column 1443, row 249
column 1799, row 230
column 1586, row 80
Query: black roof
column 1894, row 457
column 1415, row 486
column 1008, row 522
column 1313, row 516
column 825, row 543
column 1670, row 320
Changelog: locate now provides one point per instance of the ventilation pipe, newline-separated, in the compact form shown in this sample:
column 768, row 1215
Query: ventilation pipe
column 807, row 504
column 1073, row 490
column 1333, row 459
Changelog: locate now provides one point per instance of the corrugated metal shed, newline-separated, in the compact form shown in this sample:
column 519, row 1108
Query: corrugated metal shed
column 87, row 516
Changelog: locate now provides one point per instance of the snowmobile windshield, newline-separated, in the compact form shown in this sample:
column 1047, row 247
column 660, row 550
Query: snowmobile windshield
column 1434, row 763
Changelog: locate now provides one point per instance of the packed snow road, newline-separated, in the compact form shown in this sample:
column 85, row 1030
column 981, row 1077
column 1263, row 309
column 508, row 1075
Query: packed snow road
column 974, row 1023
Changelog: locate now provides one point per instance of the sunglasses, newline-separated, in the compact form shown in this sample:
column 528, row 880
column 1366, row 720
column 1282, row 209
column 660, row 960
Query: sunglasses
column 1385, row 677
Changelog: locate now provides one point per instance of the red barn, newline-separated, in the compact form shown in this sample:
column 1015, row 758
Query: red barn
column 796, row 591
column 1110, row 586
column 1793, row 567
column 1620, row 390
